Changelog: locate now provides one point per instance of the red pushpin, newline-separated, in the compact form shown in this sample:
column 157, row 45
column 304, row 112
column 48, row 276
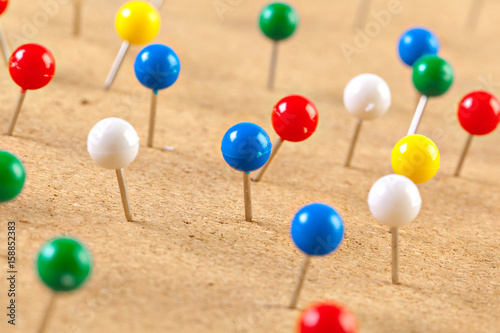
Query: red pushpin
column 31, row 66
column 294, row 119
column 479, row 114
column 3, row 40
column 327, row 317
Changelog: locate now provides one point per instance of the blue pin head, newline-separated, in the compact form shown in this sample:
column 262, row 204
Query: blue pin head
column 317, row 229
column 415, row 43
column 157, row 67
column 246, row 147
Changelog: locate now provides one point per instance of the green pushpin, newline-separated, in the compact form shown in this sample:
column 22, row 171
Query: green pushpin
column 432, row 77
column 278, row 21
column 63, row 264
column 12, row 176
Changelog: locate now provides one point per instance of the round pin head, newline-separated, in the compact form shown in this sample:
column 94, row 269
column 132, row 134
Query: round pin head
column 63, row 264
column 137, row 22
column 157, row 66
column 432, row 75
column 113, row 143
column 416, row 157
column 3, row 6
column 295, row 118
column 32, row 66
column 367, row 96
column 317, row 229
column 394, row 201
column 479, row 112
column 246, row 147
column 415, row 43
column 12, row 176
column 278, row 21
column 327, row 317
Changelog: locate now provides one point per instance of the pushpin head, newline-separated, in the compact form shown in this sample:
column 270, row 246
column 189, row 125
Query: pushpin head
column 157, row 66
column 317, row 229
column 32, row 66
column 278, row 21
column 63, row 264
column 327, row 317
column 394, row 201
column 3, row 6
column 12, row 176
column 416, row 157
column 479, row 112
column 415, row 43
column 137, row 22
column 113, row 143
column 432, row 75
column 246, row 147
column 367, row 96
column 295, row 118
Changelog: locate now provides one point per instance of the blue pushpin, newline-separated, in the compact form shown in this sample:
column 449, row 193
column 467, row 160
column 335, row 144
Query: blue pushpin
column 317, row 230
column 246, row 147
column 156, row 67
column 415, row 43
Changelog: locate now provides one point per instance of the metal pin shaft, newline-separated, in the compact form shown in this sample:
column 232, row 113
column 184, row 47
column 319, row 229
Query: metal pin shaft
column 4, row 45
column 300, row 282
column 48, row 312
column 418, row 114
column 395, row 255
column 463, row 155
column 274, row 150
column 247, row 194
column 15, row 114
column 272, row 67
column 354, row 139
column 152, row 118
column 116, row 64
column 124, row 194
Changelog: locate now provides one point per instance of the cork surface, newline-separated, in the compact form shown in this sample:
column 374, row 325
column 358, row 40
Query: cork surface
column 189, row 262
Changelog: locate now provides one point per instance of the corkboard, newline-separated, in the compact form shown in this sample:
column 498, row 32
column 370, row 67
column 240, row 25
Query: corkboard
column 190, row 263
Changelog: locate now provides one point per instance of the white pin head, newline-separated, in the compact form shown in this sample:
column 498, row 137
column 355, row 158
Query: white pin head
column 113, row 143
column 394, row 200
column 367, row 96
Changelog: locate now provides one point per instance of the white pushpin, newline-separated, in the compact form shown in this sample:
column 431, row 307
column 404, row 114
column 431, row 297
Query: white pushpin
column 394, row 201
column 367, row 97
column 113, row 144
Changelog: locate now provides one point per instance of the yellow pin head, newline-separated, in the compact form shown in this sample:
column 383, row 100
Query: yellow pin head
column 137, row 22
column 416, row 157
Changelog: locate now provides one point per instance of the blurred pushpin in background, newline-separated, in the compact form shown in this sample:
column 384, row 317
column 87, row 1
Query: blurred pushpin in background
column 113, row 144
column 137, row 23
column 327, row 317
column 156, row 67
column 416, row 157
column 432, row 77
column 31, row 66
column 317, row 230
column 12, row 176
column 294, row 119
column 278, row 21
column 361, row 13
column 479, row 114
column 246, row 147
column 3, row 40
column 473, row 14
column 394, row 201
column 63, row 264
column 415, row 43
column 367, row 97
column 77, row 19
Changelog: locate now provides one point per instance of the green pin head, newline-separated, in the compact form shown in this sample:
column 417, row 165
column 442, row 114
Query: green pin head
column 278, row 21
column 12, row 176
column 432, row 75
column 63, row 264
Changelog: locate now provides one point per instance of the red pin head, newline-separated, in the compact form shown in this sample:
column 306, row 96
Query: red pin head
column 295, row 118
column 3, row 5
column 327, row 318
column 32, row 66
column 479, row 112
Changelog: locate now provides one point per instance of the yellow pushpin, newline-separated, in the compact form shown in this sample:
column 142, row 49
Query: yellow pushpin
column 137, row 22
column 416, row 157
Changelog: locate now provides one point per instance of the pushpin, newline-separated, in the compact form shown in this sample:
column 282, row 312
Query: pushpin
column 12, row 176
column 3, row 40
column 156, row 67
column 113, row 144
column 63, row 264
column 394, row 201
column 317, row 230
column 366, row 96
column 432, row 77
column 415, row 43
column 137, row 22
column 294, row 119
column 157, row 3
column 327, row 317
column 31, row 66
column 416, row 157
column 361, row 12
column 479, row 114
column 473, row 14
column 246, row 147
column 278, row 21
